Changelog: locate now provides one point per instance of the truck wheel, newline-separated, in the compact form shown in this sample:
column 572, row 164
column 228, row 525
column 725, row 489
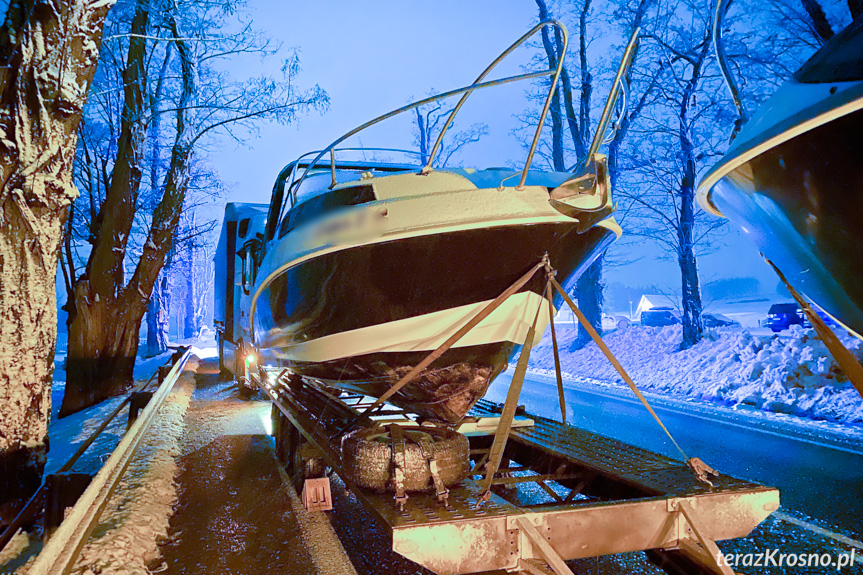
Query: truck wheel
column 367, row 455
column 279, row 422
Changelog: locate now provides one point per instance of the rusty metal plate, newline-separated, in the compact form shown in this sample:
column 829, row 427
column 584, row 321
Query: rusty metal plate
column 463, row 539
column 649, row 472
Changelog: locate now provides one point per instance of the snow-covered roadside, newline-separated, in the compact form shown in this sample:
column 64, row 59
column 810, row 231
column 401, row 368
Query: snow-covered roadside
column 793, row 374
column 67, row 434
column 136, row 517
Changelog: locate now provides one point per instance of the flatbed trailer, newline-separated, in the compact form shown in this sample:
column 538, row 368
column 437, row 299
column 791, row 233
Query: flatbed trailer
column 603, row 496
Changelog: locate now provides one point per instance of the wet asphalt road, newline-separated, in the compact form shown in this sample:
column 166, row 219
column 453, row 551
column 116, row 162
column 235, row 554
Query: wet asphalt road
column 230, row 513
column 818, row 473
column 233, row 515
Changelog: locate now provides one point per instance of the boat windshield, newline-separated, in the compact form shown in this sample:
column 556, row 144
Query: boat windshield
column 291, row 190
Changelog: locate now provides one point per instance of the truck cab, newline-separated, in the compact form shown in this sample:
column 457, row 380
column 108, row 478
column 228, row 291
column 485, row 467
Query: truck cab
column 237, row 259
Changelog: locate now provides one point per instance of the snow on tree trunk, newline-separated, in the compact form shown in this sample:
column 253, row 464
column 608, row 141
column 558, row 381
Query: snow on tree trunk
column 588, row 290
column 189, row 327
column 49, row 51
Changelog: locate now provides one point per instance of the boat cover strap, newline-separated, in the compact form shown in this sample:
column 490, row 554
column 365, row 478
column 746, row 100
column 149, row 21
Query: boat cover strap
column 846, row 360
column 399, row 464
column 700, row 468
column 548, row 295
column 501, row 434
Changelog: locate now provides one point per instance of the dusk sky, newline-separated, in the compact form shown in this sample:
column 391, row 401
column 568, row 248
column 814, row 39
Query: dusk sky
column 372, row 57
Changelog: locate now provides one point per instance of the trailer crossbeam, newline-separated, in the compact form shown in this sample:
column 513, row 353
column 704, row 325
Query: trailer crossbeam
column 629, row 499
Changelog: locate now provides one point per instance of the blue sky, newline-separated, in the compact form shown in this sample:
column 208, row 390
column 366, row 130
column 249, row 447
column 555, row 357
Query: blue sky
column 372, row 57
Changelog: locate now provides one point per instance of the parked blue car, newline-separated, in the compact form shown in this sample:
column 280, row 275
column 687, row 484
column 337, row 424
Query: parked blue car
column 783, row 315
column 659, row 317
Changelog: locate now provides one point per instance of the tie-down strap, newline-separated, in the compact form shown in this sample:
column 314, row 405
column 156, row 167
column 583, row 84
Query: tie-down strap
column 441, row 492
column 399, row 464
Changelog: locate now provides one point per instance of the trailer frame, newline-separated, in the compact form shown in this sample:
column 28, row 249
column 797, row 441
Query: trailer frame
column 606, row 497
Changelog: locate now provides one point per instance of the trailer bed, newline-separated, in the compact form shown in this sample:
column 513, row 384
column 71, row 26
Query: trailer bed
column 603, row 496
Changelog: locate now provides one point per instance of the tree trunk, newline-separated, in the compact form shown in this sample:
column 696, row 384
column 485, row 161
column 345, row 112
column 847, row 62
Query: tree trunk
column 556, row 117
column 101, row 348
column 154, row 308
column 820, row 24
column 48, row 54
column 159, row 307
column 106, row 329
column 157, row 316
column 424, row 137
column 693, row 326
column 588, row 290
column 586, row 77
column 189, row 327
column 103, row 344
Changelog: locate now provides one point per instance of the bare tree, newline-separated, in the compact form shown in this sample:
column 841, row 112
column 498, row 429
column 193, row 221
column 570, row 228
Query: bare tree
column 589, row 287
column 109, row 305
column 195, row 273
column 49, row 51
column 680, row 136
column 427, row 123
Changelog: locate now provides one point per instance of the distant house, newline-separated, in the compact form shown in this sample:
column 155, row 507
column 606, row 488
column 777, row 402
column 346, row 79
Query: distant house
column 565, row 315
column 650, row 301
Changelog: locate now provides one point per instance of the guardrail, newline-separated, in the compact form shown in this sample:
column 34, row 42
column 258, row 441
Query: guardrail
column 60, row 552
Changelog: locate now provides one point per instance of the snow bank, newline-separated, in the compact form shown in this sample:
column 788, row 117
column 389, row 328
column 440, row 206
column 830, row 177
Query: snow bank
column 792, row 374
column 136, row 517
column 145, row 367
column 67, row 434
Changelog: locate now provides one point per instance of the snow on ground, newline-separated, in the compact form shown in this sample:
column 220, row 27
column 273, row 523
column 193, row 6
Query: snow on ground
column 137, row 514
column 67, row 434
column 204, row 345
column 792, row 374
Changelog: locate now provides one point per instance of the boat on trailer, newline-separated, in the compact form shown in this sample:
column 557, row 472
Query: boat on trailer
column 792, row 179
column 364, row 268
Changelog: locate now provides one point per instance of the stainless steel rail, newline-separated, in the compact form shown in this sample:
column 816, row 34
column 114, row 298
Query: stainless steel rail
column 59, row 554
column 467, row 90
column 27, row 512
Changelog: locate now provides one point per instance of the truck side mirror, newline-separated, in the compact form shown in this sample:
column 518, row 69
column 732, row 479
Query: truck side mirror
column 250, row 256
